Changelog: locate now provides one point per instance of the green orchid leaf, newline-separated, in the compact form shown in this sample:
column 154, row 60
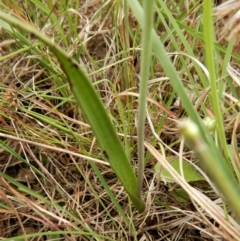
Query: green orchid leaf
column 190, row 173
column 93, row 109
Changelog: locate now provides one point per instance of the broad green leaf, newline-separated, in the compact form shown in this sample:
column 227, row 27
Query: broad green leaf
column 190, row 173
column 94, row 111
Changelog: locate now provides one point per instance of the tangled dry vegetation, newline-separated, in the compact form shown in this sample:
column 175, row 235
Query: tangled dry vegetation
column 47, row 145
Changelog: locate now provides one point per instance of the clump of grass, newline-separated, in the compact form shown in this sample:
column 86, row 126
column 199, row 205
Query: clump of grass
column 56, row 182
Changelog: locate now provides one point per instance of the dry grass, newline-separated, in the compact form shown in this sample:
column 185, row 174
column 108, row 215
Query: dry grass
column 38, row 116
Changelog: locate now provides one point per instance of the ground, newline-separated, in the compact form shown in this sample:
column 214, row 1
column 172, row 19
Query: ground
column 55, row 180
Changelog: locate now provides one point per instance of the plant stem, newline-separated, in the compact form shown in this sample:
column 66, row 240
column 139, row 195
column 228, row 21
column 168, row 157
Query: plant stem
column 209, row 46
column 148, row 6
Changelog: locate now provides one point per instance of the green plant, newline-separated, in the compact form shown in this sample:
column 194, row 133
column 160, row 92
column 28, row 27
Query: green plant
column 94, row 111
column 41, row 117
column 218, row 167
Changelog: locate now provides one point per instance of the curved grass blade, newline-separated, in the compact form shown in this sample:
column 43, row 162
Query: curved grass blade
column 94, row 111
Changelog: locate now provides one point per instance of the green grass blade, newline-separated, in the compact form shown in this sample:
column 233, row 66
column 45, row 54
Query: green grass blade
column 169, row 69
column 27, row 191
column 217, row 166
column 145, row 63
column 94, row 111
column 209, row 40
